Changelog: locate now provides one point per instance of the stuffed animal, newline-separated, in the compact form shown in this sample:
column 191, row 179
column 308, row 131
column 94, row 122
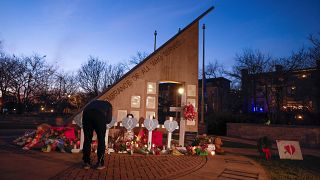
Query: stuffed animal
column 218, row 143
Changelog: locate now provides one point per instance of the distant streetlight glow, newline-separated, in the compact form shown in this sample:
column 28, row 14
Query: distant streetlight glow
column 299, row 117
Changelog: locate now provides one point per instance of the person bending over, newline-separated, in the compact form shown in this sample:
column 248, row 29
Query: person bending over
column 96, row 115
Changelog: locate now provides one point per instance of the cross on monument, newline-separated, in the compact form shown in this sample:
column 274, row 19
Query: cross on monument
column 182, row 125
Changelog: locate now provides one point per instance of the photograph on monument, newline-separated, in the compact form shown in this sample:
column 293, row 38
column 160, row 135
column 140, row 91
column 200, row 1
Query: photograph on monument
column 135, row 114
column 135, row 101
column 121, row 114
column 151, row 102
column 151, row 88
column 150, row 113
column 191, row 90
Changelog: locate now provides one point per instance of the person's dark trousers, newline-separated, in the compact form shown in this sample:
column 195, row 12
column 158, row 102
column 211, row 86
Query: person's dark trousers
column 88, row 133
column 100, row 129
column 92, row 122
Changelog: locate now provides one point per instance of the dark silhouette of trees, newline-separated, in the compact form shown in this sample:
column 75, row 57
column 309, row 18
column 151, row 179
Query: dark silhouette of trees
column 140, row 56
column 214, row 69
column 96, row 75
column 30, row 75
column 91, row 74
column 314, row 49
column 112, row 74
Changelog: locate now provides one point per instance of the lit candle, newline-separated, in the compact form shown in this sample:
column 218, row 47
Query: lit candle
column 212, row 153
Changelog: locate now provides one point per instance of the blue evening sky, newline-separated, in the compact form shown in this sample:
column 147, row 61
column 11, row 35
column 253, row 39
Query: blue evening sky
column 68, row 31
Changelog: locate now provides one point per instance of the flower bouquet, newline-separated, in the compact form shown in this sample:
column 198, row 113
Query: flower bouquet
column 189, row 112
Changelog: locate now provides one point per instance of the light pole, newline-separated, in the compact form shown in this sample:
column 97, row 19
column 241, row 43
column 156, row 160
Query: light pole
column 203, row 75
column 155, row 40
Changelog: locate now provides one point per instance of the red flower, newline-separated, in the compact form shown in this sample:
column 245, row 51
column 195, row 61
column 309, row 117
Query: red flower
column 189, row 112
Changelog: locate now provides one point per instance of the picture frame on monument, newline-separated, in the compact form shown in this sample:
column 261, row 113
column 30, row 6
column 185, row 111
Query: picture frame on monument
column 135, row 101
column 121, row 114
column 151, row 88
column 135, row 114
column 191, row 90
column 150, row 113
column 151, row 102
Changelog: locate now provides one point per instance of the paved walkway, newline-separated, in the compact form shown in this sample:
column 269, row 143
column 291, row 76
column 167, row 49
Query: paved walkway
column 120, row 166
column 20, row 164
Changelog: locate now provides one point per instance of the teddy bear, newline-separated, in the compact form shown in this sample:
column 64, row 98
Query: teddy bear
column 218, row 143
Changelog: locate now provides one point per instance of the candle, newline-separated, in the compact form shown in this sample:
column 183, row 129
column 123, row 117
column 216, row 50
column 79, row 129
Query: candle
column 212, row 153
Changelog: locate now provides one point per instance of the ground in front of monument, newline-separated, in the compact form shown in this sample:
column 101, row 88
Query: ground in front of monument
column 17, row 163
column 241, row 161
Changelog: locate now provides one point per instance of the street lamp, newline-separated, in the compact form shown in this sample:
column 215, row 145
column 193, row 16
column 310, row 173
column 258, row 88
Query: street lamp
column 180, row 92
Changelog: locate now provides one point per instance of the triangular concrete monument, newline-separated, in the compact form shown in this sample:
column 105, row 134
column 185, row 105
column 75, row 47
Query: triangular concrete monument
column 175, row 61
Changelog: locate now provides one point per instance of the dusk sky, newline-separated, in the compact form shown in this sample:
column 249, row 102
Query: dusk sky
column 68, row 31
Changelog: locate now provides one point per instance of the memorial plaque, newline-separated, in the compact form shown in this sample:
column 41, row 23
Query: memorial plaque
column 151, row 102
column 135, row 114
column 150, row 113
column 135, row 101
column 121, row 114
column 151, row 88
column 191, row 90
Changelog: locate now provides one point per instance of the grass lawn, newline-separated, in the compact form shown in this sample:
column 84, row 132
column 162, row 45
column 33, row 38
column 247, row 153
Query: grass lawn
column 308, row 168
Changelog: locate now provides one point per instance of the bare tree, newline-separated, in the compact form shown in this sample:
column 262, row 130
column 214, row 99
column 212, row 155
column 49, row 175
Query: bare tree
column 214, row 69
column 315, row 48
column 91, row 74
column 30, row 76
column 140, row 56
column 254, row 62
column 7, row 66
column 112, row 74
column 297, row 60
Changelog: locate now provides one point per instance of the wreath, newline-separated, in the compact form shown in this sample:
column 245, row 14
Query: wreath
column 189, row 112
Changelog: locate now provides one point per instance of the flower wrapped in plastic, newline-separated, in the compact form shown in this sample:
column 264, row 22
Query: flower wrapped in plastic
column 189, row 112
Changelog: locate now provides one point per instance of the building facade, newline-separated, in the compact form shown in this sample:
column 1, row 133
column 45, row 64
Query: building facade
column 217, row 94
column 294, row 91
